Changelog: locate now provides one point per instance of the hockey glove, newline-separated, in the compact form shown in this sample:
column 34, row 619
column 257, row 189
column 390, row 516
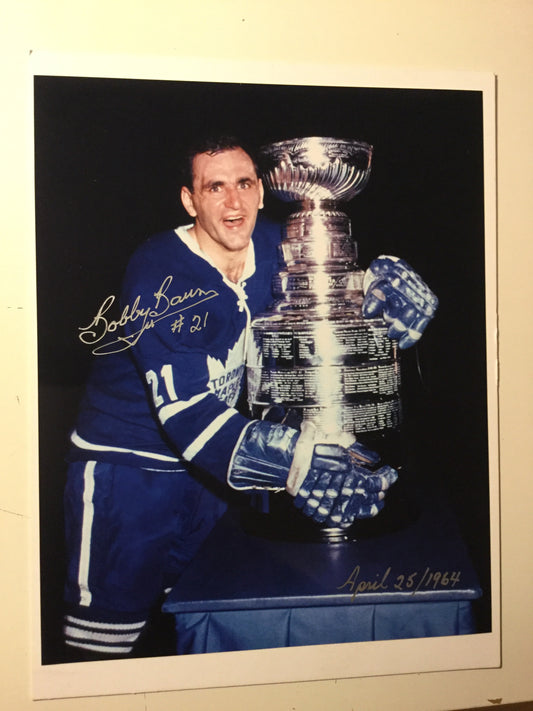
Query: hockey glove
column 332, row 484
column 396, row 292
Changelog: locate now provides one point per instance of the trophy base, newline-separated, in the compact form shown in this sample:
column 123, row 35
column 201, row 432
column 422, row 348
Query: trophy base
column 335, row 535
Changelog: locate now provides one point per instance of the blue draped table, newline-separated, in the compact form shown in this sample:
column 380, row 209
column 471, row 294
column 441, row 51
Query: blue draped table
column 246, row 591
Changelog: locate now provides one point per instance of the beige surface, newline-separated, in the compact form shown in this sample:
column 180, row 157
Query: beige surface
column 480, row 35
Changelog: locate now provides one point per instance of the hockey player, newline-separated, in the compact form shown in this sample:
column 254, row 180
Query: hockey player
column 158, row 430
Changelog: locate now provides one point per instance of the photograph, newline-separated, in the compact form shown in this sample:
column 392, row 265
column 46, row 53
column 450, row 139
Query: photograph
column 265, row 366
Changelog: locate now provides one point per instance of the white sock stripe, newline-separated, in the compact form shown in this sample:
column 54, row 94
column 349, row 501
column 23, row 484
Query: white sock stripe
column 80, row 622
column 99, row 648
column 84, row 634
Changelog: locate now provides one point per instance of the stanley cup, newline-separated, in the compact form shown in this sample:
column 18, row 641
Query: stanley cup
column 313, row 351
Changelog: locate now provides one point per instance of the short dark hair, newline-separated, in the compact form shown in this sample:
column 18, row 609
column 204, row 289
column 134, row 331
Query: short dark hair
column 211, row 145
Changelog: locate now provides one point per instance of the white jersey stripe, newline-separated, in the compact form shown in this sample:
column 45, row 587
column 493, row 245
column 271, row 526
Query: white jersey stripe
column 169, row 410
column 83, row 444
column 199, row 443
column 86, row 533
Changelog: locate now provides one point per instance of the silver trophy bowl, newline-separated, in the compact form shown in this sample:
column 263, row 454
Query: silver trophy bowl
column 316, row 169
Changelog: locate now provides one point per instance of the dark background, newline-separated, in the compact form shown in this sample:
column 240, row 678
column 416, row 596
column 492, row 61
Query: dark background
column 106, row 159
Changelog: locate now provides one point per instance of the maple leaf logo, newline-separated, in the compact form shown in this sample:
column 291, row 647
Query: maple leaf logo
column 225, row 378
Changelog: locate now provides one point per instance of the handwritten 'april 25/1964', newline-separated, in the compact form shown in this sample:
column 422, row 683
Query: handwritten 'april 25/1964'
column 411, row 582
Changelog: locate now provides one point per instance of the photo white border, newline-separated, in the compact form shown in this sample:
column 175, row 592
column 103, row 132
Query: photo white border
column 378, row 658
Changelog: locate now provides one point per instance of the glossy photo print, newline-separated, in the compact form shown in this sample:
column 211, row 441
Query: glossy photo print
column 266, row 392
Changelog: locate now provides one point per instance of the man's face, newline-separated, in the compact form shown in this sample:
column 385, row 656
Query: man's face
column 224, row 201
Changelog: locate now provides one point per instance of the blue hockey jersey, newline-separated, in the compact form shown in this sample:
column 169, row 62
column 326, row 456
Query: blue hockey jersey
column 169, row 372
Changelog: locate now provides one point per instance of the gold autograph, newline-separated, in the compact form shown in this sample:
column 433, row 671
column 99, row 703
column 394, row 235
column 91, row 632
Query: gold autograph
column 146, row 317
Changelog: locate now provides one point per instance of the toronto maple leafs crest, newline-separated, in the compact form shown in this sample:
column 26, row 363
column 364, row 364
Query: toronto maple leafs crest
column 225, row 378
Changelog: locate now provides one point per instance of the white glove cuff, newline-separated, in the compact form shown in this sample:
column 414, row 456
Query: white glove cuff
column 303, row 455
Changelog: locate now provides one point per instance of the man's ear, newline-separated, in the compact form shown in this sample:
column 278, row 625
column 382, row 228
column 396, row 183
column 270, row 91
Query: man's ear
column 186, row 199
column 262, row 193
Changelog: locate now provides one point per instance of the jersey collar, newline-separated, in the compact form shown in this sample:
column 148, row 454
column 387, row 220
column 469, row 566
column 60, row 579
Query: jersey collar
column 189, row 240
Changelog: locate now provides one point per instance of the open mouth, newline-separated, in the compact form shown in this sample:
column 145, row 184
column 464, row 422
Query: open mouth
column 234, row 221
